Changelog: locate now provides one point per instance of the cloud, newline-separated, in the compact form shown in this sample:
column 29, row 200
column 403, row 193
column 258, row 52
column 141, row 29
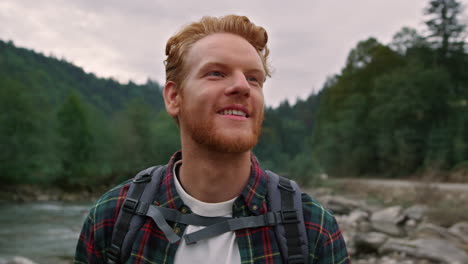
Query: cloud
column 123, row 39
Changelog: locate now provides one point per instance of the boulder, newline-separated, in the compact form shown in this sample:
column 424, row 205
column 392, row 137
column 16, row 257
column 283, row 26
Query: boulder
column 411, row 224
column 415, row 212
column 460, row 230
column 369, row 242
column 389, row 221
column 428, row 230
column 339, row 205
column 438, row 250
column 357, row 216
column 353, row 219
column 20, row 260
column 457, row 234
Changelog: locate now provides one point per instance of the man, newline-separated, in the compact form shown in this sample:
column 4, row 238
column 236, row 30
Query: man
column 215, row 71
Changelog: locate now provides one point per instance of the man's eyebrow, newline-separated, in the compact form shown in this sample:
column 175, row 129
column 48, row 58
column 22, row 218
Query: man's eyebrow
column 224, row 66
column 255, row 70
column 212, row 64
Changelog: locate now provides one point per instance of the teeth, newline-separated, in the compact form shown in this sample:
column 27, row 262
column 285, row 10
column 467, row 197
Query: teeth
column 233, row 112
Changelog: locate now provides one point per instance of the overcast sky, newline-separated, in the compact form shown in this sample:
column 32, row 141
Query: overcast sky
column 309, row 40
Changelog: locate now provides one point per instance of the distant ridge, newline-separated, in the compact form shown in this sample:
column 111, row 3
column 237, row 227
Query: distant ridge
column 55, row 79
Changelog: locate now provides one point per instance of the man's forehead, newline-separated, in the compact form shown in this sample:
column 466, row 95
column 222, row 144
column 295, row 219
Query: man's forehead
column 220, row 48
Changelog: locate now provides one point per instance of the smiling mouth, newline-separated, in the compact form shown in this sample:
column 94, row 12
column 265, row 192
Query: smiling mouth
column 233, row 112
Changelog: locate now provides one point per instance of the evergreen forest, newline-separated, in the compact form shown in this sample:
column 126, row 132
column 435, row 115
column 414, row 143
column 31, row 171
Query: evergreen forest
column 397, row 109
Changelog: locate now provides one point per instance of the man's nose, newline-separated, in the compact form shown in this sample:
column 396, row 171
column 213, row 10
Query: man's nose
column 239, row 86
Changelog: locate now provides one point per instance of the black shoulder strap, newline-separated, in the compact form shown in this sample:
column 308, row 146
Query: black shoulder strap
column 142, row 189
column 284, row 196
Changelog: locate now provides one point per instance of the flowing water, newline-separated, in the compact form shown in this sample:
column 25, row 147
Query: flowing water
column 43, row 232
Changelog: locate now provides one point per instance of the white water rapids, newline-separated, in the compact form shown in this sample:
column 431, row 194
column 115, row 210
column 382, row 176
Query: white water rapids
column 43, row 232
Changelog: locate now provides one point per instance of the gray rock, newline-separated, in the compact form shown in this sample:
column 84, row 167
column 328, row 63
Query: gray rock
column 411, row 223
column 432, row 249
column 416, row 212
column 20, row 260
column 364, row 226
column 428, row 230
column 460, row 230
column 389, row 221
column 357, row 216
column 340, row 205
column 369, row 242
column 353, row 219
column 387, row 260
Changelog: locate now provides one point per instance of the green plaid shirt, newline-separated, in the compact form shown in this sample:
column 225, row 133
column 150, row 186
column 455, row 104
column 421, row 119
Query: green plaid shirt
column 256, row 245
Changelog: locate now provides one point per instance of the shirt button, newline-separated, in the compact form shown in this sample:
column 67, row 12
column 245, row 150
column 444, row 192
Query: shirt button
column 184, row 210
column 254, row 207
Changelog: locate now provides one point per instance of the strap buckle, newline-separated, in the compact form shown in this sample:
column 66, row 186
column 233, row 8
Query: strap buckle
column 285, row 185
column 296, row 259
column 130, row 205
column 113, row 254
column 270, row 219
column 289, row 217
column 143, row 178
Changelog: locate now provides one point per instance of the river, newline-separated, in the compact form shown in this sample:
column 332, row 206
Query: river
column 43, row 232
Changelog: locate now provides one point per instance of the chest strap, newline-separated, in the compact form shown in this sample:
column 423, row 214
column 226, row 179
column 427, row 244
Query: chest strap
column 215, row 226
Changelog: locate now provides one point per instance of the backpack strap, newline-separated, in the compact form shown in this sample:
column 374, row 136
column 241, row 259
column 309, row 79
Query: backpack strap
column 233, row 224
column 284, row 196
column 214, row 225
column 142, row 190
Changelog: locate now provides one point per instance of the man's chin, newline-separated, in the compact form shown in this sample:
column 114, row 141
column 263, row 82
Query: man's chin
column 231, row 144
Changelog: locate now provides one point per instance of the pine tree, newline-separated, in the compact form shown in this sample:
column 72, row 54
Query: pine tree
column 446, row 30
column 76, row 142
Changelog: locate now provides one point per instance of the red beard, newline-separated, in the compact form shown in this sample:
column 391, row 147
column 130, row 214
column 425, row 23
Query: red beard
column 205, row 133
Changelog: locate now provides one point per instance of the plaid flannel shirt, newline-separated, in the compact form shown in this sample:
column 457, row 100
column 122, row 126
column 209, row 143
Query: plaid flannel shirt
column 256, row 245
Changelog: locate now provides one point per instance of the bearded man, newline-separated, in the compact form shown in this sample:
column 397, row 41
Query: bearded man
column 215, row 73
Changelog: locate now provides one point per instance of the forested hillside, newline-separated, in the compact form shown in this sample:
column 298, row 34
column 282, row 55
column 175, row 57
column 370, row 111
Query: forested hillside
column 60, row 125
column 395, row 110
column 399, row 109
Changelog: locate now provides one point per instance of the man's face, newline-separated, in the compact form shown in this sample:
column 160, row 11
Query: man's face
column 222, row 98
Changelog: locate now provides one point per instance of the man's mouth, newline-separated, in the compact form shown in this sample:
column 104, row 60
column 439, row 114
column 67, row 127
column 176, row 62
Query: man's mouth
column 233, row 112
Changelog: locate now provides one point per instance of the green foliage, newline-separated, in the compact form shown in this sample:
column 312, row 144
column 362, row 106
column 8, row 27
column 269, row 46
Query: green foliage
column 59, row 125
column 446, row 30
column 21, row 136
column 406, row 39
column 76, row 143
column 58, row 79
column 145, row 138
column 394, row 110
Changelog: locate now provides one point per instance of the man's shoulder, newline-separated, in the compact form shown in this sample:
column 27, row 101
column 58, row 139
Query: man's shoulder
column 110, row 201
column 315, row 212
column 325, row 237
column 313, row 204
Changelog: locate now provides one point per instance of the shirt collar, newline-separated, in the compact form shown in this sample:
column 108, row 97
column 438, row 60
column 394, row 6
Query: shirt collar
column 167, row 194
column 253, row 195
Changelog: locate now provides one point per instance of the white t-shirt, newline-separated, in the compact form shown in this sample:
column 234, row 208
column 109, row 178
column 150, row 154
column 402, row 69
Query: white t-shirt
column 218, row 249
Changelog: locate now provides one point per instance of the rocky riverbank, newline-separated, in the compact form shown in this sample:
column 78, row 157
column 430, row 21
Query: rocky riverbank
column 413, row 225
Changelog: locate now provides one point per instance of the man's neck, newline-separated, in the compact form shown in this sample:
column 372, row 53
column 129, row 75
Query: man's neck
column 213, row 176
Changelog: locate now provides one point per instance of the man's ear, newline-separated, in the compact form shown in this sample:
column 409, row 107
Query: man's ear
column 171, row 95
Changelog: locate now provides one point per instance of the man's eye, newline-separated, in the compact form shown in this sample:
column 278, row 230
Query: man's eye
column 215, row 73
column 252, row 79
